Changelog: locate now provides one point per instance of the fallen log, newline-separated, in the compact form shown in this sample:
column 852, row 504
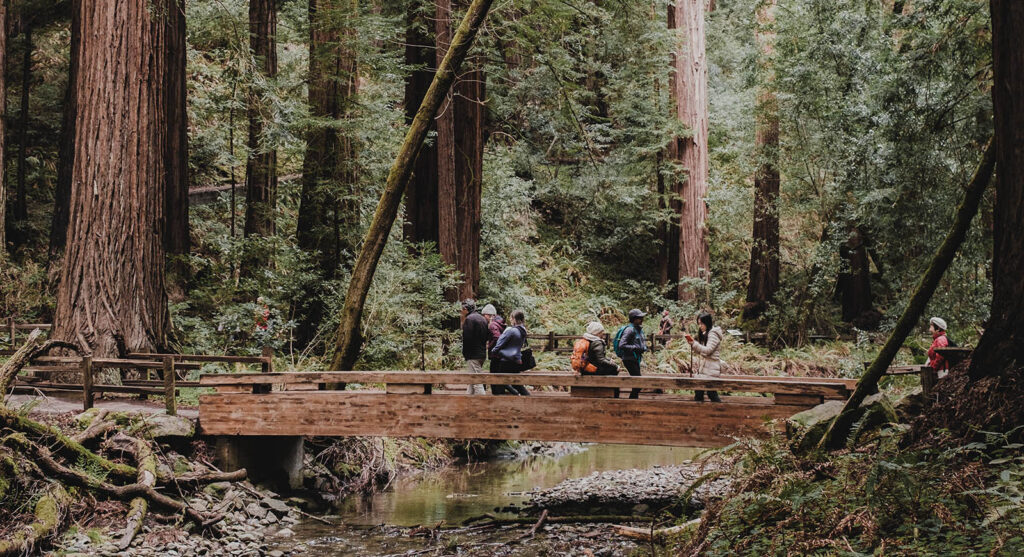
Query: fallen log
column 658, row 536
column 582, row 519
column 139, row 505
column 65, row 445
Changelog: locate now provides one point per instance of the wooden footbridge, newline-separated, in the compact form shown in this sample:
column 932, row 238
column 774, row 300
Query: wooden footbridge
column 564, row 407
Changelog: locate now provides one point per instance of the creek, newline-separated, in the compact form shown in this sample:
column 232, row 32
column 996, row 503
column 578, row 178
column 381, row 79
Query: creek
column 374, row 524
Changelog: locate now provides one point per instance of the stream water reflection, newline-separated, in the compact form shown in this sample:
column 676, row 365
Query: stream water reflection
column 459, row 492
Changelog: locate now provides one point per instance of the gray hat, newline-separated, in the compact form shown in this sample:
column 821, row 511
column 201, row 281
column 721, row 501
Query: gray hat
column 469, row 304
column 489, row 310
column 939, row 323
column 634, row 313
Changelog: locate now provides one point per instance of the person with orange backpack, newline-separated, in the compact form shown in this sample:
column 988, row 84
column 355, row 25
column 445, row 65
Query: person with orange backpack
column 588, row 353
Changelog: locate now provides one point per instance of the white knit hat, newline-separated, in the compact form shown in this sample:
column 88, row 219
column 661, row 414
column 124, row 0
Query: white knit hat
column 939, row 323
column 595, row 328
column 489, row 310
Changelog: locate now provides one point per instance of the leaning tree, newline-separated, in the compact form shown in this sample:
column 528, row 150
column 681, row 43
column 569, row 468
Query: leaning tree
column 111, row 297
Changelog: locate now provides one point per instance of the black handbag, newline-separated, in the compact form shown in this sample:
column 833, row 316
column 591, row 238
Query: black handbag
column 526, row 355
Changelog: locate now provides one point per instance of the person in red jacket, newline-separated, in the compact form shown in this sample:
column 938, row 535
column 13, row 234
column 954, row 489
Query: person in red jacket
column 937, row 327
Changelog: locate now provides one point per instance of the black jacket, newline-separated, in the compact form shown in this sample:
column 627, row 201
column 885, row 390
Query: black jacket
column 598, row 357
column 632, row 343
column 474, row 337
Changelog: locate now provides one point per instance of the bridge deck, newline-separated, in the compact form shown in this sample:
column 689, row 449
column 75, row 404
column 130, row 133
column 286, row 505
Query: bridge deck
column 408, row 406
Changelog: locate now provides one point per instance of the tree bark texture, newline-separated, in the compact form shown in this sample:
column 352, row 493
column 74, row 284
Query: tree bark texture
column 470, row 117
column 1001, row 349
column 111, row 296
column 328, row 212
column 764, row 250
column 21, row 200
column 349, row 339
column 922, row 294
column 421, row 197
column 261, row 165
column 176, row 236
column 3, row 125
column 447, row 243
column 689, row 90
column 66, row 149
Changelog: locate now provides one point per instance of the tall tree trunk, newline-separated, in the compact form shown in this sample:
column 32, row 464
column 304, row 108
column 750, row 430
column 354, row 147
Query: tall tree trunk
column 3, row 120
column 421, row 195
column 1001, row 349
column 447, row 226
column 261, row 166
column 764, row 251
column 470, row 116
column 66, row 149
column 176, row 235
column 328, row 172
column 350, row 336
column 855, row 279
column 689, row 91
column 21, row 201
column 111, row 296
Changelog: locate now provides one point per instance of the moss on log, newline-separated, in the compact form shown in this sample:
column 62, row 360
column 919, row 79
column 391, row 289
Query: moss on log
column 49, row 514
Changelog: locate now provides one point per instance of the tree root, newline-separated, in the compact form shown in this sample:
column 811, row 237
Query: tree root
column 50, row 511
column 139, row 505
column 659, row 536
column 98, row 428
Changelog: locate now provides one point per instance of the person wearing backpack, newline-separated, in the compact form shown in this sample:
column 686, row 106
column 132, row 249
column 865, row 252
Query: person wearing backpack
column 937, row 327
column 495, row 326
column 507, row 354
column 589, row 354
column 708, row 344
column 474, row 343
column 630, row 345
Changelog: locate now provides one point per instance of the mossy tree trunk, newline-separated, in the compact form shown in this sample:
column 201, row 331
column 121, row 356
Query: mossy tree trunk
column 349, row 340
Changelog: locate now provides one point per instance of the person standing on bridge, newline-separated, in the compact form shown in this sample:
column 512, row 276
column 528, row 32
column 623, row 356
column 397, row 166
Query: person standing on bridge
column 474, row 343
column 507, row 354
column 630, row 345
column 596, row 354
column 708, row 344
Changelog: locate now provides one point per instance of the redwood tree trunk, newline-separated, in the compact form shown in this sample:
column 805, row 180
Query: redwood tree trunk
column 261, row 166
column 421, row 194
column 447, row 226
column 66, row 150
column 1001, row 349
column 764, row 251
column 3, row 119
column 470, row 116
column 689, row 91
column 176, row 236
column 328, row 170
column 21, row 201
column 111, row 295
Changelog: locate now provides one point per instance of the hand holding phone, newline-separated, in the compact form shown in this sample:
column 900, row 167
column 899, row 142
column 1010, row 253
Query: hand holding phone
column 689, row 338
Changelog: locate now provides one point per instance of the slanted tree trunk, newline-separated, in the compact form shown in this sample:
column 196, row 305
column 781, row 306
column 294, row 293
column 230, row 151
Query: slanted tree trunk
column 111, row 296
column 689, row 88
column 350, row 337
column 21, row 200
column 328, row 170
column 1001, row 349
column 261, row 166
column 66, row 149
column 470, row 115
column 3, row 125
column 176, row 236
column 764, row 251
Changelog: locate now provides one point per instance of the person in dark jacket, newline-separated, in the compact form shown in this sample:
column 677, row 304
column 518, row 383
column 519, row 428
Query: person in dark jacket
column 507, row 356
column 474, row 343
column 495, row 326
column 632, row 345
column 597, row 352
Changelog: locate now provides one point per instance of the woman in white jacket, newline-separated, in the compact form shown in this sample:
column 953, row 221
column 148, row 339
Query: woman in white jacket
column 708, row 344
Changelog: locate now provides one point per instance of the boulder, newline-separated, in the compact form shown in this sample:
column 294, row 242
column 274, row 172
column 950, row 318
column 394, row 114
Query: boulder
column 806, row 428
column 163, row 426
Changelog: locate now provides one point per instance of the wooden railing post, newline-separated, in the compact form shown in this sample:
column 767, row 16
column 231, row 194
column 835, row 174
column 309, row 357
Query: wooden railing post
column 267, row 365
column 87, row 395
column 12, row 329
column 928, row 379
column 551, row 341
column 170, row 392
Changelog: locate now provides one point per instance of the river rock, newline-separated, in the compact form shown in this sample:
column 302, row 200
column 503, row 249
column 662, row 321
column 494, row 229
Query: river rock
column 278, row 506
column 255, row 510
column 163, row 426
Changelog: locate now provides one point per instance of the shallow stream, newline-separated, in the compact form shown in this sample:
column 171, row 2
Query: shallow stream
column 459, row 492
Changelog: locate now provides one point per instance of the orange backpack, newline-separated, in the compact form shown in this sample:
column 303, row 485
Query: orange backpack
column 580, row 351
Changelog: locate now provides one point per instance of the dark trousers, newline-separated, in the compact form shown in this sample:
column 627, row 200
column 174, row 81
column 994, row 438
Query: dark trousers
column 633, row 367
column 498, row 366
column 713, row 395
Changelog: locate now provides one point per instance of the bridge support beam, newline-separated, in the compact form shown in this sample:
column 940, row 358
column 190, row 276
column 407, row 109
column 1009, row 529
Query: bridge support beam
column 267, row 459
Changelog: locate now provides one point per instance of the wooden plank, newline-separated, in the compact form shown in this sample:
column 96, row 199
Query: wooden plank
column 170, row 404
column 407, row 389
column 592, row 392
column 87, row 387
column 210, row 358
column 800, row 400
column 564, row 418
column 823, row 387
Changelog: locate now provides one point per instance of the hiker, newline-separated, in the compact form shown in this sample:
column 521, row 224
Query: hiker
column 474, row 343
column 507, row 354
column 937, row 327
column 630, row 345
column 589, row 354
column 708, row 344
column 665, row 327
column 262, row 314
column 495, row 326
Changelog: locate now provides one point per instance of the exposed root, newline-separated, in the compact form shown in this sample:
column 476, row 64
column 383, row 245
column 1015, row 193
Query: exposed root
column 49, row 513
column 137, row 509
